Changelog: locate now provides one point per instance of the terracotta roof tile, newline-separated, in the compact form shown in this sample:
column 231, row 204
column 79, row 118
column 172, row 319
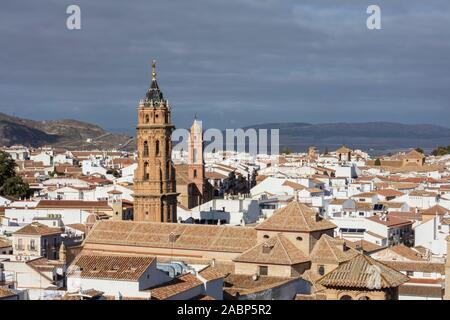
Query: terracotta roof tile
column 363, row 272
column 331, row 250
column 36, row 228
column 110, row 267
column 295, row 217
column 178, row 285
column 276, row 250
column 188, row 236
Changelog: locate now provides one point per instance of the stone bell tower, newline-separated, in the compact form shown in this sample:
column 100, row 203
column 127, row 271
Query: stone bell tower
column 155, row 197
column 196, row 165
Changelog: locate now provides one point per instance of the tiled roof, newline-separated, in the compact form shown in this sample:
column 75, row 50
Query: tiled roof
column 331, row 250
column 188, row 236
column 5, row 243
column 293, row 185
column 343, row 149
column 363, row 272
column 6, row 293
column 390, row 221
column 417, row 266
column 245, row 284
column 210, row 273
column 406, row 252
column 295, row 217
column 338, row 202
column 110, row 267
column 276, row 250
column 389, row 193
column 365, row 246
column 36, row 228
column 364, row 195
column 436, row 210
column 72, row 204
column 178, row 285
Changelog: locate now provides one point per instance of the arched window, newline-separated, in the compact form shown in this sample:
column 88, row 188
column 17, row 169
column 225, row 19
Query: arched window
column 266, row 236
column 146, row 171
column 299, row 238
column 147, row 118
column 346, row 297
column 364, row 298
column 145, row 152
column 157, row 147
column 195, row 173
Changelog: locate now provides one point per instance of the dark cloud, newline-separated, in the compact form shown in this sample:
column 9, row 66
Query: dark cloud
column 234, row 63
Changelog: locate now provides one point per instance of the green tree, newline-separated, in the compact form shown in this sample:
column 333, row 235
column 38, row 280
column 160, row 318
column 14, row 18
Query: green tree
column 7, row 167
column 441, row 151
column 15, row 187
column 420, row 150
column 378, row 162
column 286, row 150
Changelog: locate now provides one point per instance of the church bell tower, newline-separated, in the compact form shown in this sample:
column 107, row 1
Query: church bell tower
column 155, row 197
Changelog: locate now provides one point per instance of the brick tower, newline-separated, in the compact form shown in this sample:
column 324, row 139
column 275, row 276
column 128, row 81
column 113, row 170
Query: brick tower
column 155, row 197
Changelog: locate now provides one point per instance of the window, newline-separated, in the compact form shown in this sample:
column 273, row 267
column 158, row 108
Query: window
column 146, row 171
column 157, row 147
column 263, row 270
column 195, row 173
column 145, row 151
column 266, row 236
column 321, row 270
column 299, row 239
column 32, row 245
column 20, row 244
column 147, row 118
column 410, row 273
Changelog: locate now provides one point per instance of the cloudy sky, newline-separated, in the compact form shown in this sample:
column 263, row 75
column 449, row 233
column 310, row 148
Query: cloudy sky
column 233, row 63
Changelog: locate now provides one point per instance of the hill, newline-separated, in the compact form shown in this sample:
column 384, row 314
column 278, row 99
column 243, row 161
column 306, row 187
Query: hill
column 70, row 134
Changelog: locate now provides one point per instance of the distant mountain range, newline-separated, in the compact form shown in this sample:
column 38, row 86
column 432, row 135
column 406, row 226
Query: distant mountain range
column 375, row 137
column 70, row 134
column 369, row 136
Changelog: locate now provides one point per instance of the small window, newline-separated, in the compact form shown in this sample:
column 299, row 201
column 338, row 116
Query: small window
column 263, row 270
column 266, row 249
column 321, row 270
column 299, row 238
column 410, row 273
column 266, row 236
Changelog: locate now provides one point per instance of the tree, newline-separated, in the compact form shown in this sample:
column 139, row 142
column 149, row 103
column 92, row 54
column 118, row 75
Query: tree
column 11, row 184
column 114, row 172
column 7, row 167
column 420, row 150
column 286, row 150
column 378, row 162
column 441, row 151
column 15, row 187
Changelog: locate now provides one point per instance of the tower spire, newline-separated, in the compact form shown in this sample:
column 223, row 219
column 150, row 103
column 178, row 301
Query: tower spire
column 153, row 70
